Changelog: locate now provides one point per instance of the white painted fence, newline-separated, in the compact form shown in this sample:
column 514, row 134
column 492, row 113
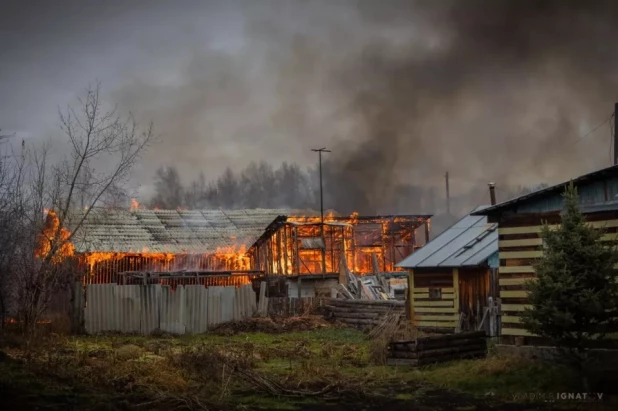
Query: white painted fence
column 143, row 309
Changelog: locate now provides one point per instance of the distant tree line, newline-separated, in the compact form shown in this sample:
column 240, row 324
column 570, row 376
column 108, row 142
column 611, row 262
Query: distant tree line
column 259, row 185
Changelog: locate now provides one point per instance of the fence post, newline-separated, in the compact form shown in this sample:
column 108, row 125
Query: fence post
column 77, row 308
column 492, row 317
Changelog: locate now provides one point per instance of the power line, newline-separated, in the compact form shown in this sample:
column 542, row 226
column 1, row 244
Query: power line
column 593, row 130
column 553, row 151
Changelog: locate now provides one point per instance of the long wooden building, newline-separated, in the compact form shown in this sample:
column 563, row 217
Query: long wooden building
column 519, row 227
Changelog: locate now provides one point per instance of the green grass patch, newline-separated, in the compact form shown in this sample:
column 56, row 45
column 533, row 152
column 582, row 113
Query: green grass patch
column 501, row 375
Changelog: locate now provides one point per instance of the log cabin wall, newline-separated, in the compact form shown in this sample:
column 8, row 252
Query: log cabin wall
column 520, row 244
column 433, row 301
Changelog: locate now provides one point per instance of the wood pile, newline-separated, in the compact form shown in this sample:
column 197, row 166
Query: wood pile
column 362, row 312
column 366, row 287
column 437, row 349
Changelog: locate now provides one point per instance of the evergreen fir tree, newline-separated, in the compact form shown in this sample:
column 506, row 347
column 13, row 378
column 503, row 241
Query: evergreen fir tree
column 574, row 297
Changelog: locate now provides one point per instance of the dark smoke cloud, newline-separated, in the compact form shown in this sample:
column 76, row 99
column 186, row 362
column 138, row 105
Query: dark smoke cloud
column 506, row 83
column 401, row 91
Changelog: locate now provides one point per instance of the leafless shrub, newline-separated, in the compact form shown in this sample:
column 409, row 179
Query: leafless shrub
column 103, row 147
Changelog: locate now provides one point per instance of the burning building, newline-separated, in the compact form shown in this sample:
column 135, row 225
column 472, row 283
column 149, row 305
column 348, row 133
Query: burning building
column 217, row 247
column 311, row 258
column 294, row 245
column 207, row 246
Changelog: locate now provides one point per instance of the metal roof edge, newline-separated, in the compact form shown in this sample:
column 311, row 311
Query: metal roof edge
column 435, row 239
column 505, row 204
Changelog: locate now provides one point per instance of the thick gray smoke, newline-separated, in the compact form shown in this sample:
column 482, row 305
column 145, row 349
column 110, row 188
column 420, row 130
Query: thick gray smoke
column 500, row 93
column 401, row 91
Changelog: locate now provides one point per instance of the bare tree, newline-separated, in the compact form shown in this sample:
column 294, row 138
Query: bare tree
column 169, row 192
column 228, row 190
column 103, row 148
column 8, row 227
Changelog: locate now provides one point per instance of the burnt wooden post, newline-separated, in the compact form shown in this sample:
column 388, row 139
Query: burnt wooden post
column 285, row 249
column 298, row 280
column 353, row 246
column 278, row 240
column 296, row 256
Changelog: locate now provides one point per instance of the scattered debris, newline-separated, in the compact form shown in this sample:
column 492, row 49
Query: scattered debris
column 379, row 286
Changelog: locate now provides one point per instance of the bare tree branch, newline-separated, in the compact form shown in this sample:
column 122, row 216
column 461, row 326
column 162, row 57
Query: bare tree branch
column 103, row 147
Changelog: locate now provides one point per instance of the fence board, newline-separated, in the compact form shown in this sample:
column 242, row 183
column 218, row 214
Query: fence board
column 197, row 309
column 173, row 310
column 227, row 304
column 150, row 303
column 126, row 308
column 147, row 308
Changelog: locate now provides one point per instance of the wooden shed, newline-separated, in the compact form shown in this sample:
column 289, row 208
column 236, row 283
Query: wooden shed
column 520, row 221
column 450, row 277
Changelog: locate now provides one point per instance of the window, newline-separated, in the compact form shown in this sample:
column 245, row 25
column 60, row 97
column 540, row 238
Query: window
column 435, row 293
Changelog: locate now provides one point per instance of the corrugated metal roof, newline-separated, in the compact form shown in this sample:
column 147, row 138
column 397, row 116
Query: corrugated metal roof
column 171, row 231
column 469, row 242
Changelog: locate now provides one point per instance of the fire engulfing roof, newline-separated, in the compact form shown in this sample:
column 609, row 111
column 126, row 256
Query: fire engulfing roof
column 174, row 231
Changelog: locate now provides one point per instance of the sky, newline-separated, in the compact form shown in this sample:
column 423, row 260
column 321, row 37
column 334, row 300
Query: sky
column 401, row 91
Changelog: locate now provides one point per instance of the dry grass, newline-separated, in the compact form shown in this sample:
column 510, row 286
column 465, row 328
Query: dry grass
column 394, row 327
column 217, row 371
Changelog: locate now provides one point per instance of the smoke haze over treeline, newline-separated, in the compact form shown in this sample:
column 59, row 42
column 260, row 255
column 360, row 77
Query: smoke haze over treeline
column 406, row 90
column 288, row 186
column 401, row 91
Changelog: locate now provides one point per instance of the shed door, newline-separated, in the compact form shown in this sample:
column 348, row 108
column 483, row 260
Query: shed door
column 473, row 294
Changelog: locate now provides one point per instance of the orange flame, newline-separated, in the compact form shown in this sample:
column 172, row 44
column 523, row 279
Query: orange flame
column 103, row 266
column 235, row 257
column 366, row 245
column 52, row 236
column 135, row 205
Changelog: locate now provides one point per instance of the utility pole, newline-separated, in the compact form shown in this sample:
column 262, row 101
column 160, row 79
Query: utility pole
column 615, row 134
column 320, row 151
column 448, row 196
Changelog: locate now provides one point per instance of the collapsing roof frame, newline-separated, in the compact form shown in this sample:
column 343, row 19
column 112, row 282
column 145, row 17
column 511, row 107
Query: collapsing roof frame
column 337, row 221
column 395, row 239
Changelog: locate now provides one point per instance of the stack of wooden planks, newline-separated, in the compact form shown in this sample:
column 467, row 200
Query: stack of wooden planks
column 437, row 349
column 363, row 312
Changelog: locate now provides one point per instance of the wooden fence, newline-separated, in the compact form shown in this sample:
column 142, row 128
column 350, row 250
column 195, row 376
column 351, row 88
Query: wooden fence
column 145, row 309
column 436, row 349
